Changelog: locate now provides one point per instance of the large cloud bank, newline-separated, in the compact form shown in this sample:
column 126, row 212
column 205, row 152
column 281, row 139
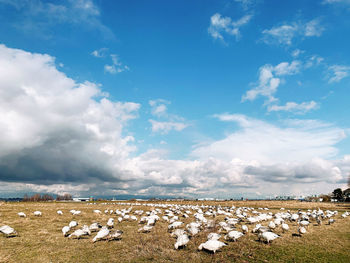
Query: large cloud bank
column 57, row 135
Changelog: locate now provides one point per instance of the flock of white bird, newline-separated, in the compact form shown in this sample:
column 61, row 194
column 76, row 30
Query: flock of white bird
column 232, row 226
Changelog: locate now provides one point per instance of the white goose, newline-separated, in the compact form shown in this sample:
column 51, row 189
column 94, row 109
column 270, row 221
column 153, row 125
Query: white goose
column 212, row 245
column 268, row 236
column 65, row 230
column 182, row 241
column 21, row 214
column 234, row 235
column 8, row 231
column 102, row 234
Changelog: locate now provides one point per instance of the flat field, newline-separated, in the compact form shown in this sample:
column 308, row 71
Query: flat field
column 40, row 238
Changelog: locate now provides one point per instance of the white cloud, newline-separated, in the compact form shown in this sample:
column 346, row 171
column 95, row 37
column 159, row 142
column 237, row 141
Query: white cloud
column 285, row 33
column 297, row 52
column 165, row 127
column 336, row 2
column 53, row 129
column 294, row 107
column 246, row 4
column 220, row 25
column 313, row 28
column 269, row 82
column 117, row 66
column 57, row 135
column 40, row 17
column 260, row 141
column 159, row 107
column 338, row 73
column 314, row 60
column 99, row 53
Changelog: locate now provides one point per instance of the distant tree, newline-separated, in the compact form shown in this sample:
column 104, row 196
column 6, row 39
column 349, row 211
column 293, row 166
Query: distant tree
column 325, row 198
column 25, row 198
column 338, row 194
column 67, row 196
column 64, row 197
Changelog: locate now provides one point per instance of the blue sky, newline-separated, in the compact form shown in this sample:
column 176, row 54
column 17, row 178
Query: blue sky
column 192, row 98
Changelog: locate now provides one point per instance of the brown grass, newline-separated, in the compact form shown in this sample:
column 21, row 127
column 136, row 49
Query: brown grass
column 40, row 238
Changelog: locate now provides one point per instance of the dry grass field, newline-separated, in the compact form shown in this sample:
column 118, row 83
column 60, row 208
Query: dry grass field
column 41, row 240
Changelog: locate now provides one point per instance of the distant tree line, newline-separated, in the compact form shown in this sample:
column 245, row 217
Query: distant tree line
column 341, row 196
column 46, row 197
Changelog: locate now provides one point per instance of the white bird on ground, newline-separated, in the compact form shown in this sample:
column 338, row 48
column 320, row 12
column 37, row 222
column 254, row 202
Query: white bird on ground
column 285, row 227
column 182, row 240
column 103, row 233
column 331, row 221
column 120, row 219
column 115, row 235
column 272, row 225
column 73, row 224
column 234, row 235
column 178, row 232
column 78, row 234
column 145, row 229
column 37, row 213
column 301, row 230
column 76, row 212
column 21, row 214
column 65, row 230
column 96, row 211
column 110, row 223
column 245, row 229
column 268, row 236
column 8, row 231
column 175, row 225
column 213, row 236
column 94, row 227
column 59, row 212
column 304, row 223
column 192, row 230
column 212, row 245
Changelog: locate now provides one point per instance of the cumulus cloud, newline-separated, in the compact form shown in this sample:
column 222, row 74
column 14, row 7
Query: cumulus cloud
column 57, row 136
column 220, row 25
column 338, row 72
column 284, row 34
column 269, row 80
column 54, row 129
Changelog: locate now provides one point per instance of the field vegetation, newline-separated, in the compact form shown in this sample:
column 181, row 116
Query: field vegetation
column 40, row 238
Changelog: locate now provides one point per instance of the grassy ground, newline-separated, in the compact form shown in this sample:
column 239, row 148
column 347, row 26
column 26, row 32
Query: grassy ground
column 40, row 238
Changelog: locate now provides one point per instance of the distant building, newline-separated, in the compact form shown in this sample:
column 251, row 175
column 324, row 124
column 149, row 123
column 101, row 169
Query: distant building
column 81, row 199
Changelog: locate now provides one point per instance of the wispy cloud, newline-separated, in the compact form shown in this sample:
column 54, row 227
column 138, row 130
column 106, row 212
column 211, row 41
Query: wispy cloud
column 338, row 72
column 295, row 107
column 285, row 33
column 165, row 127
column 220, row 25
column 40, row 17
column 166, row 122
column 100, row 53
column 336, row 2
column 116, row 67
column 159, row 107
